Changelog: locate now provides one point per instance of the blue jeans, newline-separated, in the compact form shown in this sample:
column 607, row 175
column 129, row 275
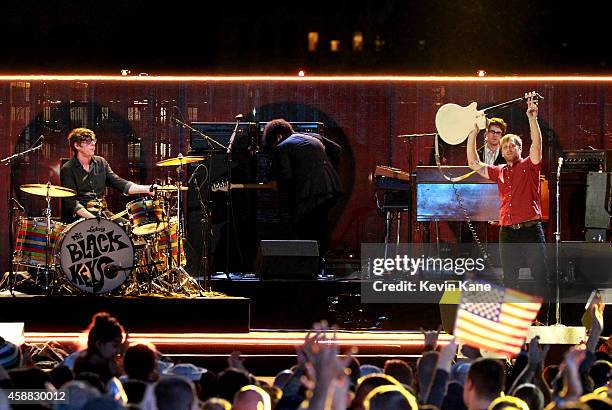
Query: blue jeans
column 524, row 247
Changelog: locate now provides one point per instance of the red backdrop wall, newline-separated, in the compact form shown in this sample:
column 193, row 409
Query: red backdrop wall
column 364, row 116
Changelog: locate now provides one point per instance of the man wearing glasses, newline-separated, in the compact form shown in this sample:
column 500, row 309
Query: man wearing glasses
column 89, row 175
column 490, row 153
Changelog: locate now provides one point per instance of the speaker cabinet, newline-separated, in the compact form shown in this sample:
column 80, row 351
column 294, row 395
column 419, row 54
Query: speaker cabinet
column 288, row 259
column 596, row 215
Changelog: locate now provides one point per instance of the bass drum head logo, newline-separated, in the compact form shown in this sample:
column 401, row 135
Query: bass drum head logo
column 95, row 256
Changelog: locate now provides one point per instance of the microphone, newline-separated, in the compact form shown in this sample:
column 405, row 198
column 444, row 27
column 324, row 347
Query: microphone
column 230, row 145
column 559, row 164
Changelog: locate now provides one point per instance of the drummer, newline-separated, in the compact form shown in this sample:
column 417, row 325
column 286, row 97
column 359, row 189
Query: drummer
column 89, row 175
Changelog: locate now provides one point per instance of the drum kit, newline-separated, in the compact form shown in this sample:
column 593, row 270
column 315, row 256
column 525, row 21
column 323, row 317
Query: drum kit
column 140, row 255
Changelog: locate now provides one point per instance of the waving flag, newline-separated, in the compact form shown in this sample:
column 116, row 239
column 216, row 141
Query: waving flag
column 497, row 320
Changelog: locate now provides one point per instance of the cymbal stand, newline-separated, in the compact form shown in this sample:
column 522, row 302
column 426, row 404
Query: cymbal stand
column 46, row 287
column 11, row 201
column 177, row 271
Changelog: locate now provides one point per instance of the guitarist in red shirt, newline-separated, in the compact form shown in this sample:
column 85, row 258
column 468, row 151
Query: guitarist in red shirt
column 521, row 236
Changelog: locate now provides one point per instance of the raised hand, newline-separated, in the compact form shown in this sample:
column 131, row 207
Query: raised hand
column 236, row 361
column 537, row 353
column 447, row 354
column 532, row 105
column 430, row 337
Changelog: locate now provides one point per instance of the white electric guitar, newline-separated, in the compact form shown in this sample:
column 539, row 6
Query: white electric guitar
column 455, row 122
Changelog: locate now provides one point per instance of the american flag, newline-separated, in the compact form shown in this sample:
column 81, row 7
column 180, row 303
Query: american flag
column 497, row 320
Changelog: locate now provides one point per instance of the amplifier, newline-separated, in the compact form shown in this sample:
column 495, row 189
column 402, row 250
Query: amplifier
column 246, row 135
column 587, row 160
column 300, row 127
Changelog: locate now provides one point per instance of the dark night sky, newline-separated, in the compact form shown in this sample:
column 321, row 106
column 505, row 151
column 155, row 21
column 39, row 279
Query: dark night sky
column 421, row 37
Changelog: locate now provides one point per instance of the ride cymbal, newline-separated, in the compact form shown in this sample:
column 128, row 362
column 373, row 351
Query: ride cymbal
column 180, row 160
column 53, row 191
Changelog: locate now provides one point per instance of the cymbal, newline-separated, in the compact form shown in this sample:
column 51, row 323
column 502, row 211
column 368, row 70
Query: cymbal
column 54, row 191
column 170, row 188
column 170, row 162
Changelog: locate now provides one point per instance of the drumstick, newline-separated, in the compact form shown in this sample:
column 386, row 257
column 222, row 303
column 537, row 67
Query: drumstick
column 119, row 215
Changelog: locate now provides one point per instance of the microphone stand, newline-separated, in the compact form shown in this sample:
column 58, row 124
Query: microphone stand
column 205, row 222
column 211, row 141
column 228, row 197
column 11, row 199
column 410, row 137
column 557, row 244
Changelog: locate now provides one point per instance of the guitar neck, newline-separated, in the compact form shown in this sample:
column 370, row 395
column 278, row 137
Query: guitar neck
column 502, row 105
column 511, row 102
column 261, row 185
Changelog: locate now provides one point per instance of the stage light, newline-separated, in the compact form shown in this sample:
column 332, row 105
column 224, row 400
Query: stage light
column 481, row 73
column 301, row 73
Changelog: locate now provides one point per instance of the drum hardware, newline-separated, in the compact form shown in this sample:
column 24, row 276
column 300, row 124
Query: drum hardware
column 11, row 200
column 48, row 191
column 175, row 273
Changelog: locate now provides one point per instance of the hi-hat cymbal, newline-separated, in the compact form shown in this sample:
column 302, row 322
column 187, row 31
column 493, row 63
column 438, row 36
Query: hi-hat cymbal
column 170, row 188
column 170, row 162
column 53, row 191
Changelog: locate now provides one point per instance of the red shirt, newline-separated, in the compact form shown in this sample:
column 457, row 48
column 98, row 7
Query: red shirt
column 519, row 191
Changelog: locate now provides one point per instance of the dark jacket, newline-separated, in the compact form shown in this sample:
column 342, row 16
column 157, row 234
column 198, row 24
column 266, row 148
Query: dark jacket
column 303, row 169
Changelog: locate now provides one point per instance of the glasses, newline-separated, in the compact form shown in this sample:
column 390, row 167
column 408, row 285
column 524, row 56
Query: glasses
column 494, row 132
column 88, row 140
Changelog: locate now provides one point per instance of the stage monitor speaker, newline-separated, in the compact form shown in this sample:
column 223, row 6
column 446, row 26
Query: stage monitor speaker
column 288, row 259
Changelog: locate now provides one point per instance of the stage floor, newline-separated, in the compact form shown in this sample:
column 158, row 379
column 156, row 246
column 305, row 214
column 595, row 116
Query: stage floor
column 136, row 313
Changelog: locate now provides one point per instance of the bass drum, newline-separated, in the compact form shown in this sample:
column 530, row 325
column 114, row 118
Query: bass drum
column 95, row 256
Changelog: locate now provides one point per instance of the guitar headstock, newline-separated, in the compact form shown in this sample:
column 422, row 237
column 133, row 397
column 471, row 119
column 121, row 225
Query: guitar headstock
column 222, row 186
column 534, row 96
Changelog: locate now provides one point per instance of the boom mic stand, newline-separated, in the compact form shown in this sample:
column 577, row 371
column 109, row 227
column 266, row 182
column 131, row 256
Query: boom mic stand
column 557, row 250
column 410, row 137
column 205, row 222
column 212, row 142
column 11, row 200
column 228, row 195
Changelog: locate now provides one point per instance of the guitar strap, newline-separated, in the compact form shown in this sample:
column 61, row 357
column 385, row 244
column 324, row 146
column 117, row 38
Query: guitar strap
column 450, row 179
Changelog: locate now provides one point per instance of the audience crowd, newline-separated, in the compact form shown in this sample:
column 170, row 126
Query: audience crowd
column 111, row 373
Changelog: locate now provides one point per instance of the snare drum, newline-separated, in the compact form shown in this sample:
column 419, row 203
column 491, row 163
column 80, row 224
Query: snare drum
column 95, row 256
column 160, row 252
column 31, row 240
column 146, row 216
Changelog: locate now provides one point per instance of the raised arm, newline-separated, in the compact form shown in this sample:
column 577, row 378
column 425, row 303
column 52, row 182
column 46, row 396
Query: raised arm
column 472, row 154
column 535, row 151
